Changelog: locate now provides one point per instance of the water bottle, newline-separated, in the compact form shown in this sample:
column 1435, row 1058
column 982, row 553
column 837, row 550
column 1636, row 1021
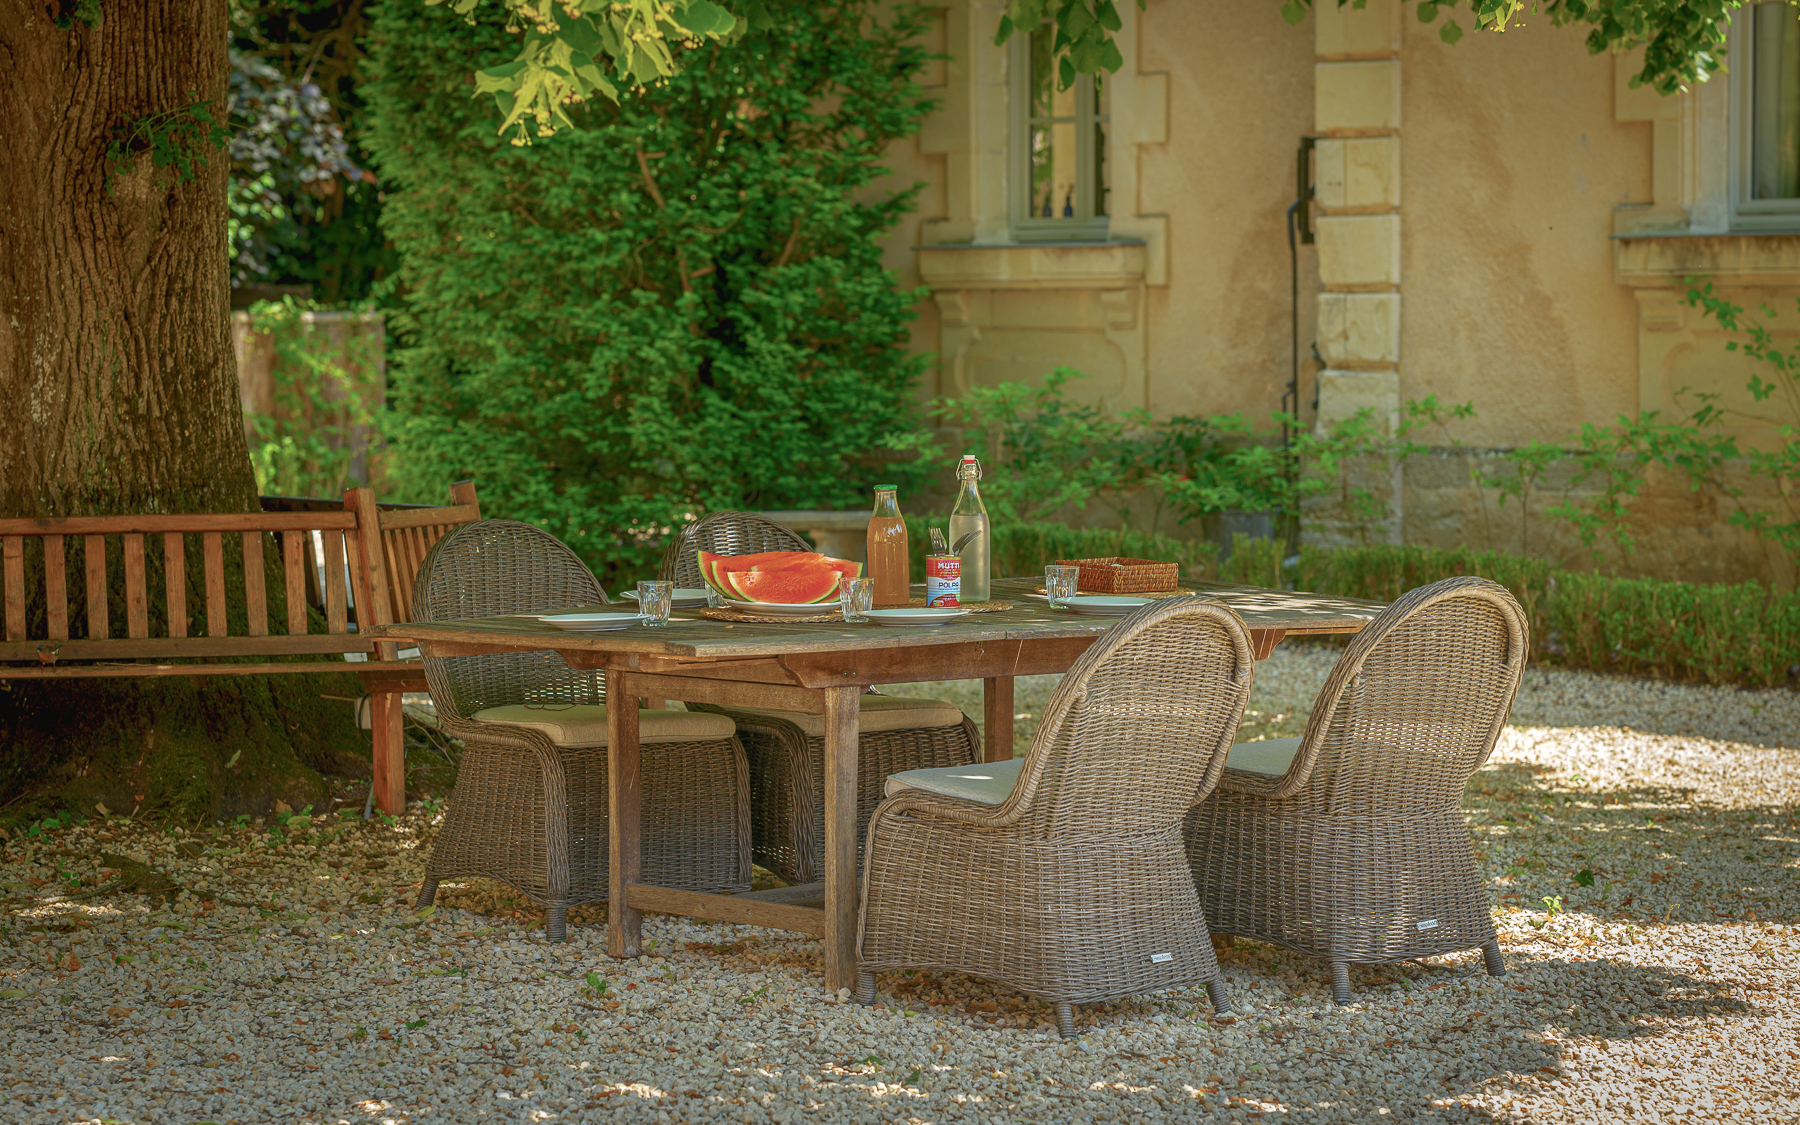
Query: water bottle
column 969, row 518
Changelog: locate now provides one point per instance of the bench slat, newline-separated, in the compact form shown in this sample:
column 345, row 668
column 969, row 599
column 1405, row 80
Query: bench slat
column 167, row 648
column 293, row 560
column 389, row 675
column 256, row 601
column 137, row 601
column 94, row 559
column 429, row 517
column 337, row 618
column 14, row 552
column 56, row 588
column 212, row 544
column 175, row 581
column 221, row 521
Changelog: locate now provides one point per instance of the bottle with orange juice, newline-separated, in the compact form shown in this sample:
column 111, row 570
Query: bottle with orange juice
column 889, row 564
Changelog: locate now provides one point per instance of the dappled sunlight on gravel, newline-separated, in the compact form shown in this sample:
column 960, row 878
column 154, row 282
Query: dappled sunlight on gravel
column 1640, row 840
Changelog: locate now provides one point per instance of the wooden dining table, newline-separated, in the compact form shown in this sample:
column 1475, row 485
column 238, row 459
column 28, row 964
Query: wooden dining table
column 823, row 668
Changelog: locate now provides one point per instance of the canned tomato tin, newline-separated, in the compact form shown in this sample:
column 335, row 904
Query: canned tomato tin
column 943, row 580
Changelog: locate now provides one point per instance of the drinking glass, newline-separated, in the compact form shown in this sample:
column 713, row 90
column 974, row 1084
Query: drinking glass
column 653, row 601
column 1060, row 583
column 855, row 596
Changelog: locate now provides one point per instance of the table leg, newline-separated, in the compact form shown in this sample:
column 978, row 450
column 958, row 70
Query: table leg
column 843, row 706
column 1263, row 641
column 389, row 732
column 624, row 837
column 997, row 711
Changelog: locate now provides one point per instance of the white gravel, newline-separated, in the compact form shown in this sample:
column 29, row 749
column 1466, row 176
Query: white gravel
column 1660, row 819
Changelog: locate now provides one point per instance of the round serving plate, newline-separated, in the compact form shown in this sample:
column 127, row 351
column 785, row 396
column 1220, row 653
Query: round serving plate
column 783, row 609
column 684, row 597
column 914, row 618
column 1103, row 605
column 591, row 622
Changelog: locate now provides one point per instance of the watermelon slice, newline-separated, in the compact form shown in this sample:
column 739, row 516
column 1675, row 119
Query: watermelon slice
column 787, row 577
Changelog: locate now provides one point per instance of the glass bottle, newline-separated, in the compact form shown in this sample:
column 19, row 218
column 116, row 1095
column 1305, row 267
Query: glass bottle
column 889, row 564
column 969, row 516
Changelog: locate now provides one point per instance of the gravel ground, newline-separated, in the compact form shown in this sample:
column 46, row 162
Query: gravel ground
column 1639, row 839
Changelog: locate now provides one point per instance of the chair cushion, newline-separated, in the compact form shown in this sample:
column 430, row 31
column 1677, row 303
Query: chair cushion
column 988, row 782
column 879, row 713
column 1270, row 757
column 584, row 724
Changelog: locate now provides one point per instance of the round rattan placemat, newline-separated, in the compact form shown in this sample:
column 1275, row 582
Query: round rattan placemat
column 726, row 613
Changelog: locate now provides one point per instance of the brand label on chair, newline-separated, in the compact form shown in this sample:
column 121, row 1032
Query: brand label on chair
column 1159, row 958
column 1428, row 924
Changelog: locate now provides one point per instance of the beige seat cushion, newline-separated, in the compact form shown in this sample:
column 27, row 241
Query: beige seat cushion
column 988, row 782
column 879, row 713
column 584, row 724
column 1271, row 757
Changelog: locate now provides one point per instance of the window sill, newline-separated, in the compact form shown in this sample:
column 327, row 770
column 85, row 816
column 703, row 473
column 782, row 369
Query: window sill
column 1034, row 265
column 1740, row 257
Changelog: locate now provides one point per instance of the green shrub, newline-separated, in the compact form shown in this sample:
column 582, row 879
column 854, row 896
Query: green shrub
column 678, row 308
column 1677, row 630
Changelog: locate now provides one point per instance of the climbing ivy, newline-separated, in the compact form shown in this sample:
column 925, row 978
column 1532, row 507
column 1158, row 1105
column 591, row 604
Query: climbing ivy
column 175, row 138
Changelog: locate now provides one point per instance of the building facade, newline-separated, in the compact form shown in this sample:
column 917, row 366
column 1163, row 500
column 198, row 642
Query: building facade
column 1503, row 221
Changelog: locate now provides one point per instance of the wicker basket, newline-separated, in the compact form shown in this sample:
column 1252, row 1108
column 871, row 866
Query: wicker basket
column 1125, row 576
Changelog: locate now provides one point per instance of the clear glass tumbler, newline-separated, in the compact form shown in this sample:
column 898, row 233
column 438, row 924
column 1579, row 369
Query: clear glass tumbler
column 855, row 596
column 1060, row 583
column 653, row 601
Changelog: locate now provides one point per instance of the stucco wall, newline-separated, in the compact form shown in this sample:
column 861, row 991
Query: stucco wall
column 1512, row 164
column 1240, row 98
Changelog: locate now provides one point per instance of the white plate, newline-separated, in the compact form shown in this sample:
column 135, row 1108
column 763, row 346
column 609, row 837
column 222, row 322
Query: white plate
column 784, row 609
column 1104, row 605
column 914, row 617
column 591, row 622
column 684, row 598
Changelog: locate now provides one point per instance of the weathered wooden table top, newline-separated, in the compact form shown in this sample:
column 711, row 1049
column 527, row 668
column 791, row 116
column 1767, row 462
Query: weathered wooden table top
column 1291, row 612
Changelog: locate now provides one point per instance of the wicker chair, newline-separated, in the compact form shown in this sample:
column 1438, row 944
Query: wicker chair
column 787, row 749
column 530, row 807
column 1062, row 874
column 1348, row 843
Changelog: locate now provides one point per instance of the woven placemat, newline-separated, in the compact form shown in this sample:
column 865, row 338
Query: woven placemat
column 726, row 613
column 1139, row 594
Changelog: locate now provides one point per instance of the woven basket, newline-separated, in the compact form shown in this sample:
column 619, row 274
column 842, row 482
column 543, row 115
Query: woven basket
column 1117, row 575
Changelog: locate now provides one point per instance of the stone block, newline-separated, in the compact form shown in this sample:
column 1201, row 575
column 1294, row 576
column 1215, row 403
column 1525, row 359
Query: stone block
column 1341, row 31
column 1343, row 394
column 1359, row 328
column 1359, row 251
column 1356, row 97
column 1357, row 174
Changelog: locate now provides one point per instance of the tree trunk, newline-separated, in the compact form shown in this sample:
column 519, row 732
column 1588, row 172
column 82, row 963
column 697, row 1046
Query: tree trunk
column 115, row 336
column 118, row 394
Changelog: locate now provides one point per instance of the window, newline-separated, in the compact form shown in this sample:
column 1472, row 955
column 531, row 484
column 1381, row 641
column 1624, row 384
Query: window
column 1766, row 115
column 1057, row 146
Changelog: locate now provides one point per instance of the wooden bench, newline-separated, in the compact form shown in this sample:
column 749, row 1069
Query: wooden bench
column 357, row 562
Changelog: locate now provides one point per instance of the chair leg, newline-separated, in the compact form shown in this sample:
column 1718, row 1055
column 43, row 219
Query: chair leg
column 556, row 926
column 1496, row 964
column 427, row 893
column 1215, row 991
column 865, row 987
column 1065, row 1019
column 1340, row 982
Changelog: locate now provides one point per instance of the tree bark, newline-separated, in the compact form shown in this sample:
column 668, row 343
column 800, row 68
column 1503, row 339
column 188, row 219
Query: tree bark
column 116, row 366
column 118, row 394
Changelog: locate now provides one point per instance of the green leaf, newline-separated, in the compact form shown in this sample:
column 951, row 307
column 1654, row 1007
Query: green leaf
column 424, row 912
column 1293, row 12
column 1450, row 33
column 12, row 993
column 1584, row 878
column 702, row 17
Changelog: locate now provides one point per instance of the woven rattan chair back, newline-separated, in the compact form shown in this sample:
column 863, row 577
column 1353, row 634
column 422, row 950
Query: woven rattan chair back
column 1415, row 704
column 1139, row 728
column 724, row 533
column 494, row 567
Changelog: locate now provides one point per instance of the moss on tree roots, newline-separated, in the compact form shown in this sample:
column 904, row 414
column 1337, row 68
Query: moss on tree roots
column 179, row 749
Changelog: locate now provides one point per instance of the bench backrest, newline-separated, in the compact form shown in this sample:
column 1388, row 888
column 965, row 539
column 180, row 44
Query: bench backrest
column 356, row 565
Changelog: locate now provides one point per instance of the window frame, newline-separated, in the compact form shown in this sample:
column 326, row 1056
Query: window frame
column 1748, row 214
column 1084, row 226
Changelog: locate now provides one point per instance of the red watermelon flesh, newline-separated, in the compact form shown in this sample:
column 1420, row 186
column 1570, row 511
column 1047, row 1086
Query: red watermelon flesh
column 797, row 584
column 714, row 568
